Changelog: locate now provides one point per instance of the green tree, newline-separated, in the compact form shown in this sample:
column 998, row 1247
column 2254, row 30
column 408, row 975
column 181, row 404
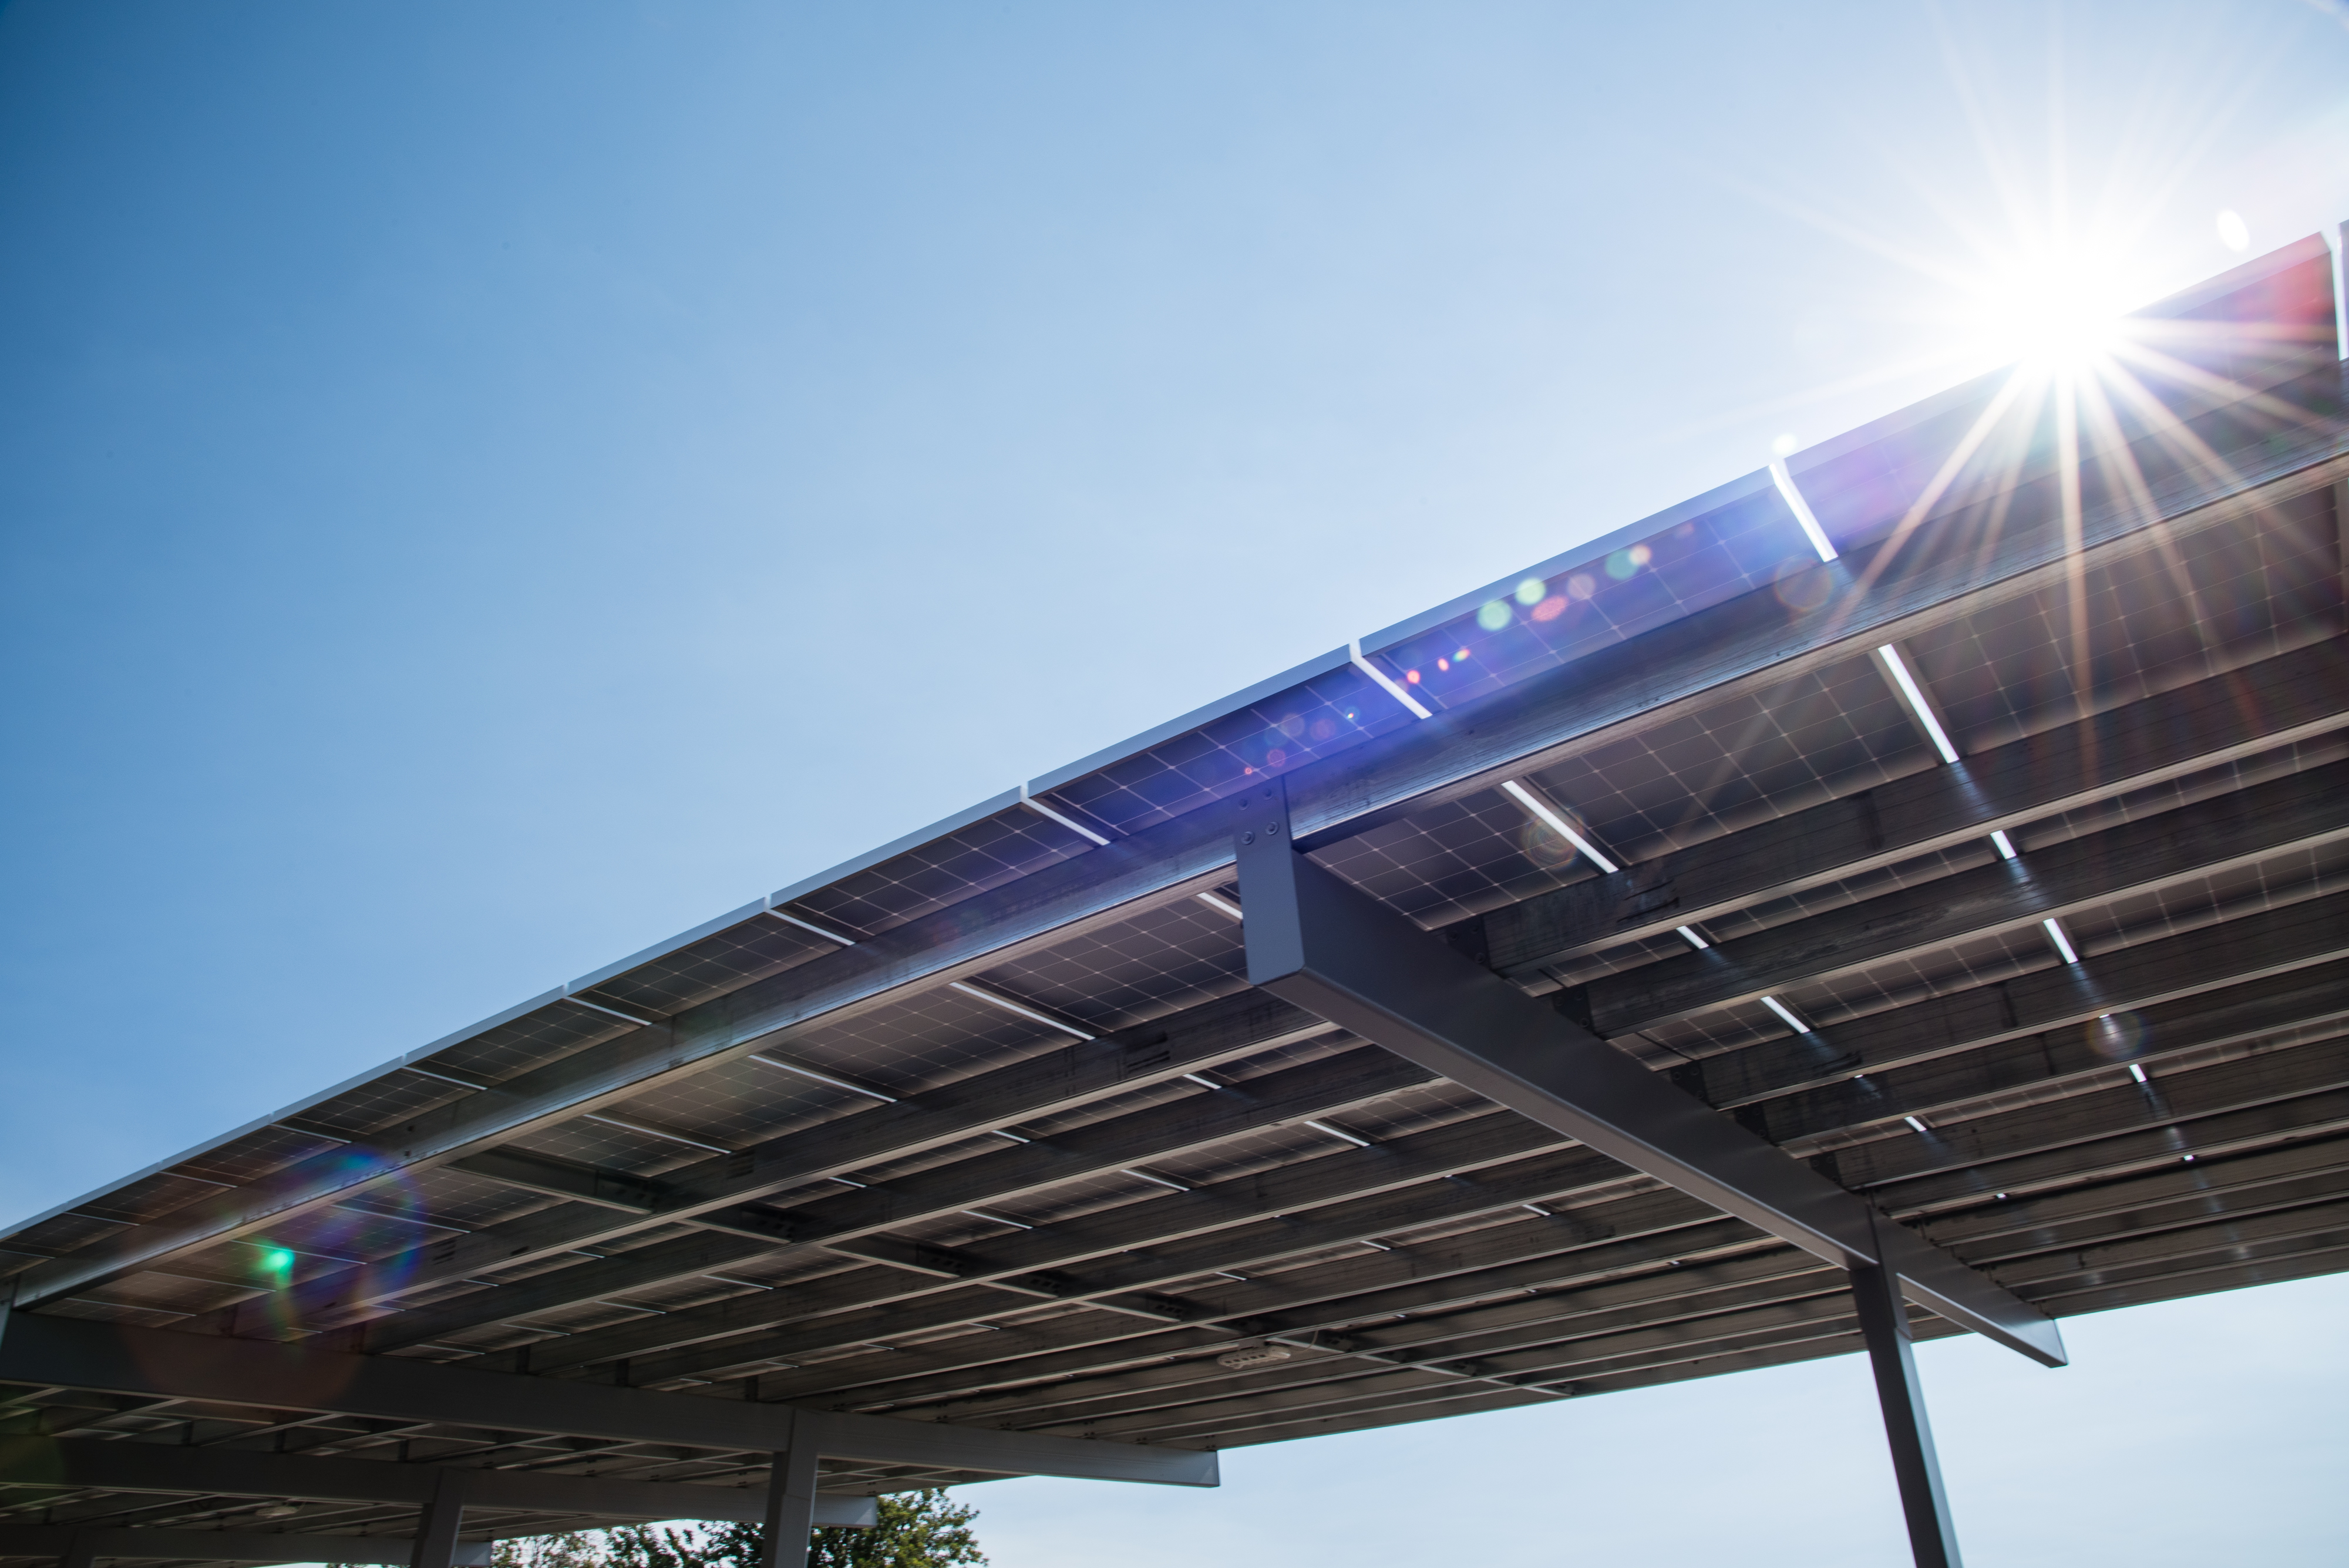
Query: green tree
column 579, row 1548
column 921, row 1529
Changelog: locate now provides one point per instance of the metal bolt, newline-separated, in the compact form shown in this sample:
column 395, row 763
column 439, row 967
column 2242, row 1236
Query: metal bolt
column 1248, row 839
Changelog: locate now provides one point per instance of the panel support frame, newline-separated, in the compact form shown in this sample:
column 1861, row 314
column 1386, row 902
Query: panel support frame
column 1337, row 952
column 119, row 1358
column 77, row 1545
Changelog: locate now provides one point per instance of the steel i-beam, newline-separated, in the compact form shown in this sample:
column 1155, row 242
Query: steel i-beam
column 80, row 1463
column 1315, row 942
column 791, row 1499
column 120, row 1358
column 1884, row 1321
column 442, row 1519
column 76, row 1548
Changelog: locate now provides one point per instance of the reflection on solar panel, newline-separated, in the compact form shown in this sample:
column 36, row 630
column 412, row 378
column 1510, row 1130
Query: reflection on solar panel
column 1658, row 964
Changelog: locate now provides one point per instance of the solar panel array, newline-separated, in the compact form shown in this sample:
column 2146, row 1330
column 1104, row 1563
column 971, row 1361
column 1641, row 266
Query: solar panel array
column 990, row 1128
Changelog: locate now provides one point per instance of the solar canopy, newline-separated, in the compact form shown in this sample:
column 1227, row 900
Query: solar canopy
column 1900, row 892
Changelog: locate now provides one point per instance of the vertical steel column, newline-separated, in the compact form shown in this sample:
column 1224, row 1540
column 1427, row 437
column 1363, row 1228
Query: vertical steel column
column 436, row 1531
column 790, row 1498
column 1884, row 1319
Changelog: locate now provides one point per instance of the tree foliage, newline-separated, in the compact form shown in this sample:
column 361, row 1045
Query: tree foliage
column 921, row 1530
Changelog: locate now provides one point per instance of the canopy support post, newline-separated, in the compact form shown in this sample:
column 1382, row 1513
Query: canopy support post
column 443, row 1517
column 1884, row 1319
column 790, row 1499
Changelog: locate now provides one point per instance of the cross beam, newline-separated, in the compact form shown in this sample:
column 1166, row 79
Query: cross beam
column 2261, row 706
column 78, row 1353
column 2299, row 812
column 61, row 1540
column 1317, row 943
column 1171, row 1238
column 82, row 1463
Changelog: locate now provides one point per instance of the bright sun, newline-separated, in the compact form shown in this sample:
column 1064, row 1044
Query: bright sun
column 2052, row 315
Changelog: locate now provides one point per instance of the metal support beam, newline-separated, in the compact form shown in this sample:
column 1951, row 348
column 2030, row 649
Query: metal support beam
column 1326, row 1299
column 855, row 1221
column 2252, row 949
column 1885, row 1322
column 440, row 1520
column 71, row 1545
column 2213, row 721
column 2019, row 1011
column 790, row 1499
column 77, row 1353
column 2300, row 811
column 931, row 1445
column 75, row 1546
column 1962, row 1086
column 1144, row 1248
column 1317, row 943
column 715, row 1192
column 211, row 1469
column 1261, row 1230
column 1542, row 1253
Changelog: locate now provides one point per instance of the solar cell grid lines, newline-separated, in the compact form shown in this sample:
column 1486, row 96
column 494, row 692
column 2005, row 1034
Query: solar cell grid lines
column 1053, row 1140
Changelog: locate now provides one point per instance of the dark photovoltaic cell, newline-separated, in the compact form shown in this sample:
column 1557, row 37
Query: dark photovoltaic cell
column 711, row 967
column 1328, row 714
column 1458, row 860
column 986, row 854
column 1649, row 583
column 1739, row 761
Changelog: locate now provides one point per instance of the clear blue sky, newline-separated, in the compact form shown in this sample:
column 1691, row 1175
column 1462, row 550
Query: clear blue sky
column 487, row 486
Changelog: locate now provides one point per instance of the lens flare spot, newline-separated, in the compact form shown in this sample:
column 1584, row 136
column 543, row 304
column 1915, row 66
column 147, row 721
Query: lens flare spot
column 1550, row 609
column 1292, row 726
column 1275, row 757
column 1412, row 676
column 1620, row 566
column 1323, row 729
column 1802, row 584
column 1784, row 445
column 1531, row 591
column 1582, row 585
column 1460, row 656
column 1495, row 616
column 2116, row 1037
column 2233, row 233
column 1545, row 846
